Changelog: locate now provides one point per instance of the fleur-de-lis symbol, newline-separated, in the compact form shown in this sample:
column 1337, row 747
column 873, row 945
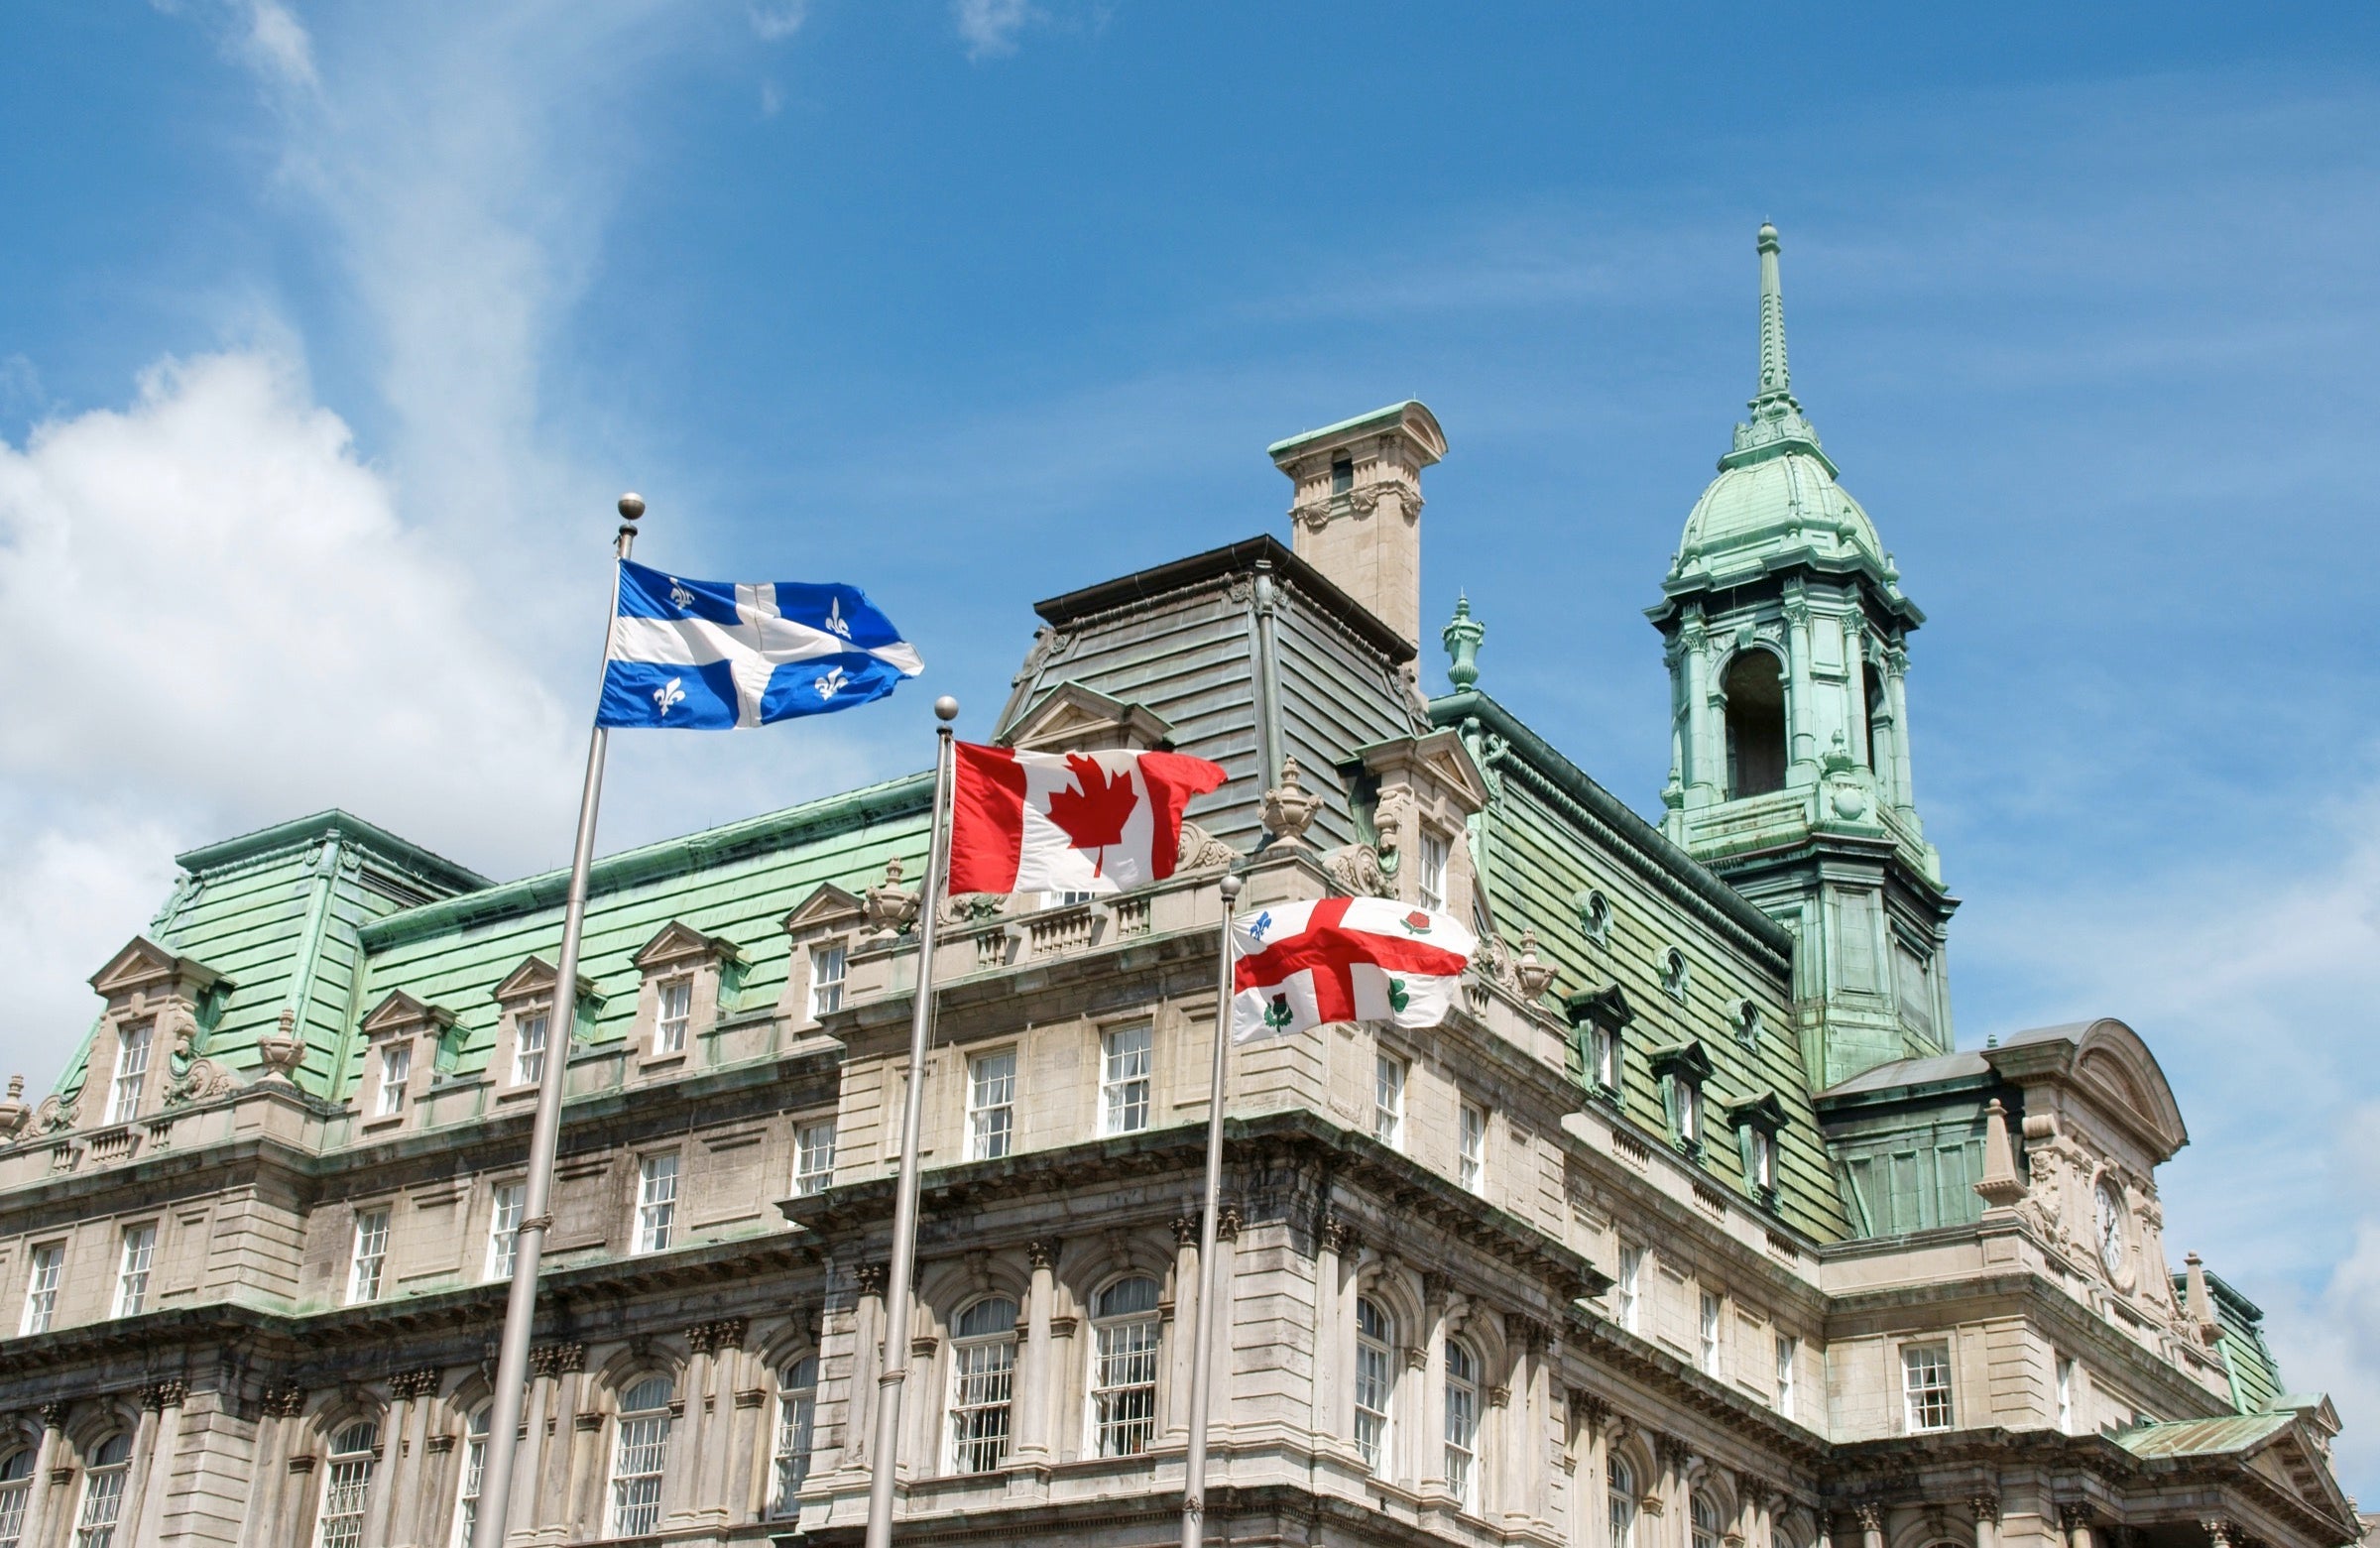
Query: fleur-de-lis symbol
column 668, row 695
column 1255, row 931
column 678, row 594
column 834, row 618
column 832, row 683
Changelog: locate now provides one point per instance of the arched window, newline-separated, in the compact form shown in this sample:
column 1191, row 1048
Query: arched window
column 347, row 1486
column 1755, row 690
column 638, row 1451
column 15, row 1490
column 103, row 1494
column 1124, row 1373
column 475, row 1467
column 1705, row 1513
column 983, row 1381
column 1619, row 1486
column 1872, row 684
column 1375, row 1380
column 797, row 1406
column 1462, row 1422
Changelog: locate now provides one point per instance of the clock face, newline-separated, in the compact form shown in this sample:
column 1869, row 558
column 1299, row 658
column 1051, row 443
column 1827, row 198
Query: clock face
column 2111, row 1227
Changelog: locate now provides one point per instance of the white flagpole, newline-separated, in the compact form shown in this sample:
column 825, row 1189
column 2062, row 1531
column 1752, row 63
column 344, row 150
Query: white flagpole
column 1202, row 1344
column 528, row 1239
column 884, row 1458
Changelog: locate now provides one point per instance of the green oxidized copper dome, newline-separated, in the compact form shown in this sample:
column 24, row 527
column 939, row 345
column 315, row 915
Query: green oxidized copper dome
column 1775, row 498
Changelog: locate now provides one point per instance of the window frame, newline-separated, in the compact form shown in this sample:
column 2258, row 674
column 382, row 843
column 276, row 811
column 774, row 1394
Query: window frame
column 542, row 1015
column 810, row 1179
column 470, row 1473
column 673, row 1031
column 347, row 1479
column 1118, row 1098
column 1470, row 1145
column 1461, row 1404
column 1704, row 1523
column 117, row 1471
column 368, row 1255
column 1129, row 1434
column 2065, row 1374
column 796, row 1418
column 987, row 1139
column 132, row 1280
column 128, row 1078
column 1390, row 1074
column 503, row 1242
column 656, row 1217
column 1629, row 1286
column 395, row 1076
column 821, row 988
column 1916, row 1400
column 966, row 1429
column 45, row 1270
column 1711, row 1334
column 646, row 1428
column 1431, row 877
column 1789, row 1351
column 1620, row 1501
column 1376, row 1450
column 16, row 1493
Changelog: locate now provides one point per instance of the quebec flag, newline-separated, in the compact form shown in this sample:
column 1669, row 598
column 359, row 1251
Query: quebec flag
column 708, row 655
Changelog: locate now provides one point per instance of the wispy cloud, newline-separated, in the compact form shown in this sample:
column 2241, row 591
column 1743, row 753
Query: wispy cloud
column 990, row 28
column 777, row 20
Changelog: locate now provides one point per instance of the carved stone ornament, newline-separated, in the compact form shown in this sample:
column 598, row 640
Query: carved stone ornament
column 1986, row 1507
column 1228, row 1223
column 1531, row 975
column 871, row 1278
column 14, row 1114
column 974, row 907
column 1202, row 851
column 555, row 1360
column 1289, row 808
column 889, row 909
column 1355, row 869
column 1040, row 1254
column 285, row 1402
column 1338, row 1235
column 1870, row 1516
column 279, row 1051
column 204, row 1081
column 54, row 1116
column 415, row 1383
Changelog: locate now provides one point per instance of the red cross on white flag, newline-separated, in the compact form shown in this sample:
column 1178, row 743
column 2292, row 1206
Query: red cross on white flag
column 1345, row 959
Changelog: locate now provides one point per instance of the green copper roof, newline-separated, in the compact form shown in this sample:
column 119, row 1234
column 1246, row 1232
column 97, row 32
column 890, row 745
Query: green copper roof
column 2248, row 1361
column 1775, row 499
column 1379, row 418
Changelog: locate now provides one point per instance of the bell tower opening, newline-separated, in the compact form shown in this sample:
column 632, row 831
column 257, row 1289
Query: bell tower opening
column 1875, row 714
column 1754, row 687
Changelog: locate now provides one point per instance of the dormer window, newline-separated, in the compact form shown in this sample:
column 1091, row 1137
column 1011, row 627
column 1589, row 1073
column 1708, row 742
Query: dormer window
column 1599, row 1018
column 130, row 1076
column 396, row 1071
column 1343, row 475
column 530, row 1031
column 1747, row 1023
column 1673, row 974
column 676, row 1010
column 688, row 975
column 1431, row 883
column 826, row 929
column 1684, row 1071
column 827, row 967
column 1757, row 1124
column 393, row 1029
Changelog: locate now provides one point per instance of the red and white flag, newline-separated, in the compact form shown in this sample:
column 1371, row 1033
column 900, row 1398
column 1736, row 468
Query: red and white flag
column 1345, row 959
column 1069, row 822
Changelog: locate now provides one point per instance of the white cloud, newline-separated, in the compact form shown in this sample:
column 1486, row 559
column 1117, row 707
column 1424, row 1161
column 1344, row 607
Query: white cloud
column 276, row 41
column 777, row 20
column 989, row 26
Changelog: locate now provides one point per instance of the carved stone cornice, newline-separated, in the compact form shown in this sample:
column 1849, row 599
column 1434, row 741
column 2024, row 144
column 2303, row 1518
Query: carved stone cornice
column 871, row 1278
column 1869, row 1513
column 711, row 1337
column 415, row 1383
column 556, row 1360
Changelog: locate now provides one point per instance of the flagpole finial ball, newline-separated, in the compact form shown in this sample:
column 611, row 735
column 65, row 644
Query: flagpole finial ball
column 632, row 506
column 946, row 708
column 1228, row 887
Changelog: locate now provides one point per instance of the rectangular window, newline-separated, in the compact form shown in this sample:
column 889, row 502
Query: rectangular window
column 814, row 1157
column 131, row 1270
column 1627, row 1292
column 1926, row 1385
column 1388, row 1099
column 1787, row 1349
column 2065, row 1395
column 504, row 1228
column 371, row 1252
column 1124, row 1080
column 396, row 1068
column 657, row 1201
column 1471, row 1146
column 1603, row 1053
column 1763, row 1149
column 40, row 1287
column 15, row 1495
column 983, row 1376
column 826, row 979
column 132, row 1073
column 674, row 1012
column 991, row 1104
column 528, row 1048
column 1343, row 475
column 1710, row 1334
column 1687, row 1097
column 1432, row 882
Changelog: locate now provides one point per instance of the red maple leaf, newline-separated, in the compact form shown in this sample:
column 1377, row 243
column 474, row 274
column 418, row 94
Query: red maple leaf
column 1093, row 814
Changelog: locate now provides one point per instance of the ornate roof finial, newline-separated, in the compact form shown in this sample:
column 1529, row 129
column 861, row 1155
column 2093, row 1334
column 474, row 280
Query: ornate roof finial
column 1776, row 376
column 1462, row 638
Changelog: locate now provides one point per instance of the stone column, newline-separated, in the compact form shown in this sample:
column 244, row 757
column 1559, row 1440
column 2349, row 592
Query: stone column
column 144, row 1457
column 1986, row 1510
column 1904, row 786
column 1035, row 1372
column 1854, row 665
column 1801, row 707
column 1584, row 1413
column 46, row 1454
column 1227, row 1270
column 1545, row 1358
column 712, row 1499
column 405, row 1507
column 753, row 1434
column 156, row 1475
column 534, row 1507
column 1871, row 1524
column 691, row 1442
column 1677, row 1509
column 1330, row 1327
column 1421, row 1427
column 2074, row 1516
column 1704, row 773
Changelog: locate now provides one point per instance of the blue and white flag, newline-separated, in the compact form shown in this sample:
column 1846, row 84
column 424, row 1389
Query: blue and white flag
column 707, row 654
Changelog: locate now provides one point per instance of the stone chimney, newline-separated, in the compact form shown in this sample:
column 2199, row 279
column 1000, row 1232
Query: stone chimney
column 1356, row 514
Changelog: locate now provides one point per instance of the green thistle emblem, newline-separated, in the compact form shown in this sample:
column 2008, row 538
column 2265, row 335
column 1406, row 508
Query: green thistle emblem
column 1278, row 1014
column 1397, row 998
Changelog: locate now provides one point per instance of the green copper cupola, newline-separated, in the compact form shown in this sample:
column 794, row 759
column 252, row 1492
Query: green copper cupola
column 1790, row 775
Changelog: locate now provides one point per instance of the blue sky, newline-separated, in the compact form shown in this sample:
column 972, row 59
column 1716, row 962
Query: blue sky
column 328, row 332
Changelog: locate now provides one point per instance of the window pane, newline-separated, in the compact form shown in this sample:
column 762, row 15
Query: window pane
column 657, row 1202
column 529, row 1049
column 826, row 979
column 1123, row 1379
column 40, row 1287
column 132, row 1275
column 1926, row 1385
column 1388, row 1099
column 1124, row 1080
column 1375, row 1380
column 396, row 1068
column 796, row 1407
column 371, row 1250
column 983, row 1367
column 675, row 1012
column 991, row 1095
column 504, row 1226
column 132, row 1072
column 814, row 1157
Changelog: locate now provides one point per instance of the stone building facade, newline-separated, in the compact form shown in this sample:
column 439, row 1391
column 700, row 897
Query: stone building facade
column 1690, row 1228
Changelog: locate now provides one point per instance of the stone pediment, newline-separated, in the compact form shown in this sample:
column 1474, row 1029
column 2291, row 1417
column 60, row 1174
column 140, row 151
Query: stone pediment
column 677, row 942
column 536, row 977
column 1607, row 1008
column 1688, row 1059
column 400, row 1011
column 144, row 965
column 1074, row 719
column 828, row 905
column 1762, row 1112
column 1439, row 758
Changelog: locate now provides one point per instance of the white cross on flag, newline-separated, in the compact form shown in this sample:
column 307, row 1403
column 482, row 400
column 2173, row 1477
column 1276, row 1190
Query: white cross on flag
column 1069, row 822
column 1345, row 959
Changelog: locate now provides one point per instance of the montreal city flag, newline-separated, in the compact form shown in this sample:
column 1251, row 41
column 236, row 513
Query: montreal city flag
column 1345, row 959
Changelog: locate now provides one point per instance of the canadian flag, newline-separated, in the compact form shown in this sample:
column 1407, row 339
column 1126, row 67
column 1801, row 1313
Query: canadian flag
column 1069, row 822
